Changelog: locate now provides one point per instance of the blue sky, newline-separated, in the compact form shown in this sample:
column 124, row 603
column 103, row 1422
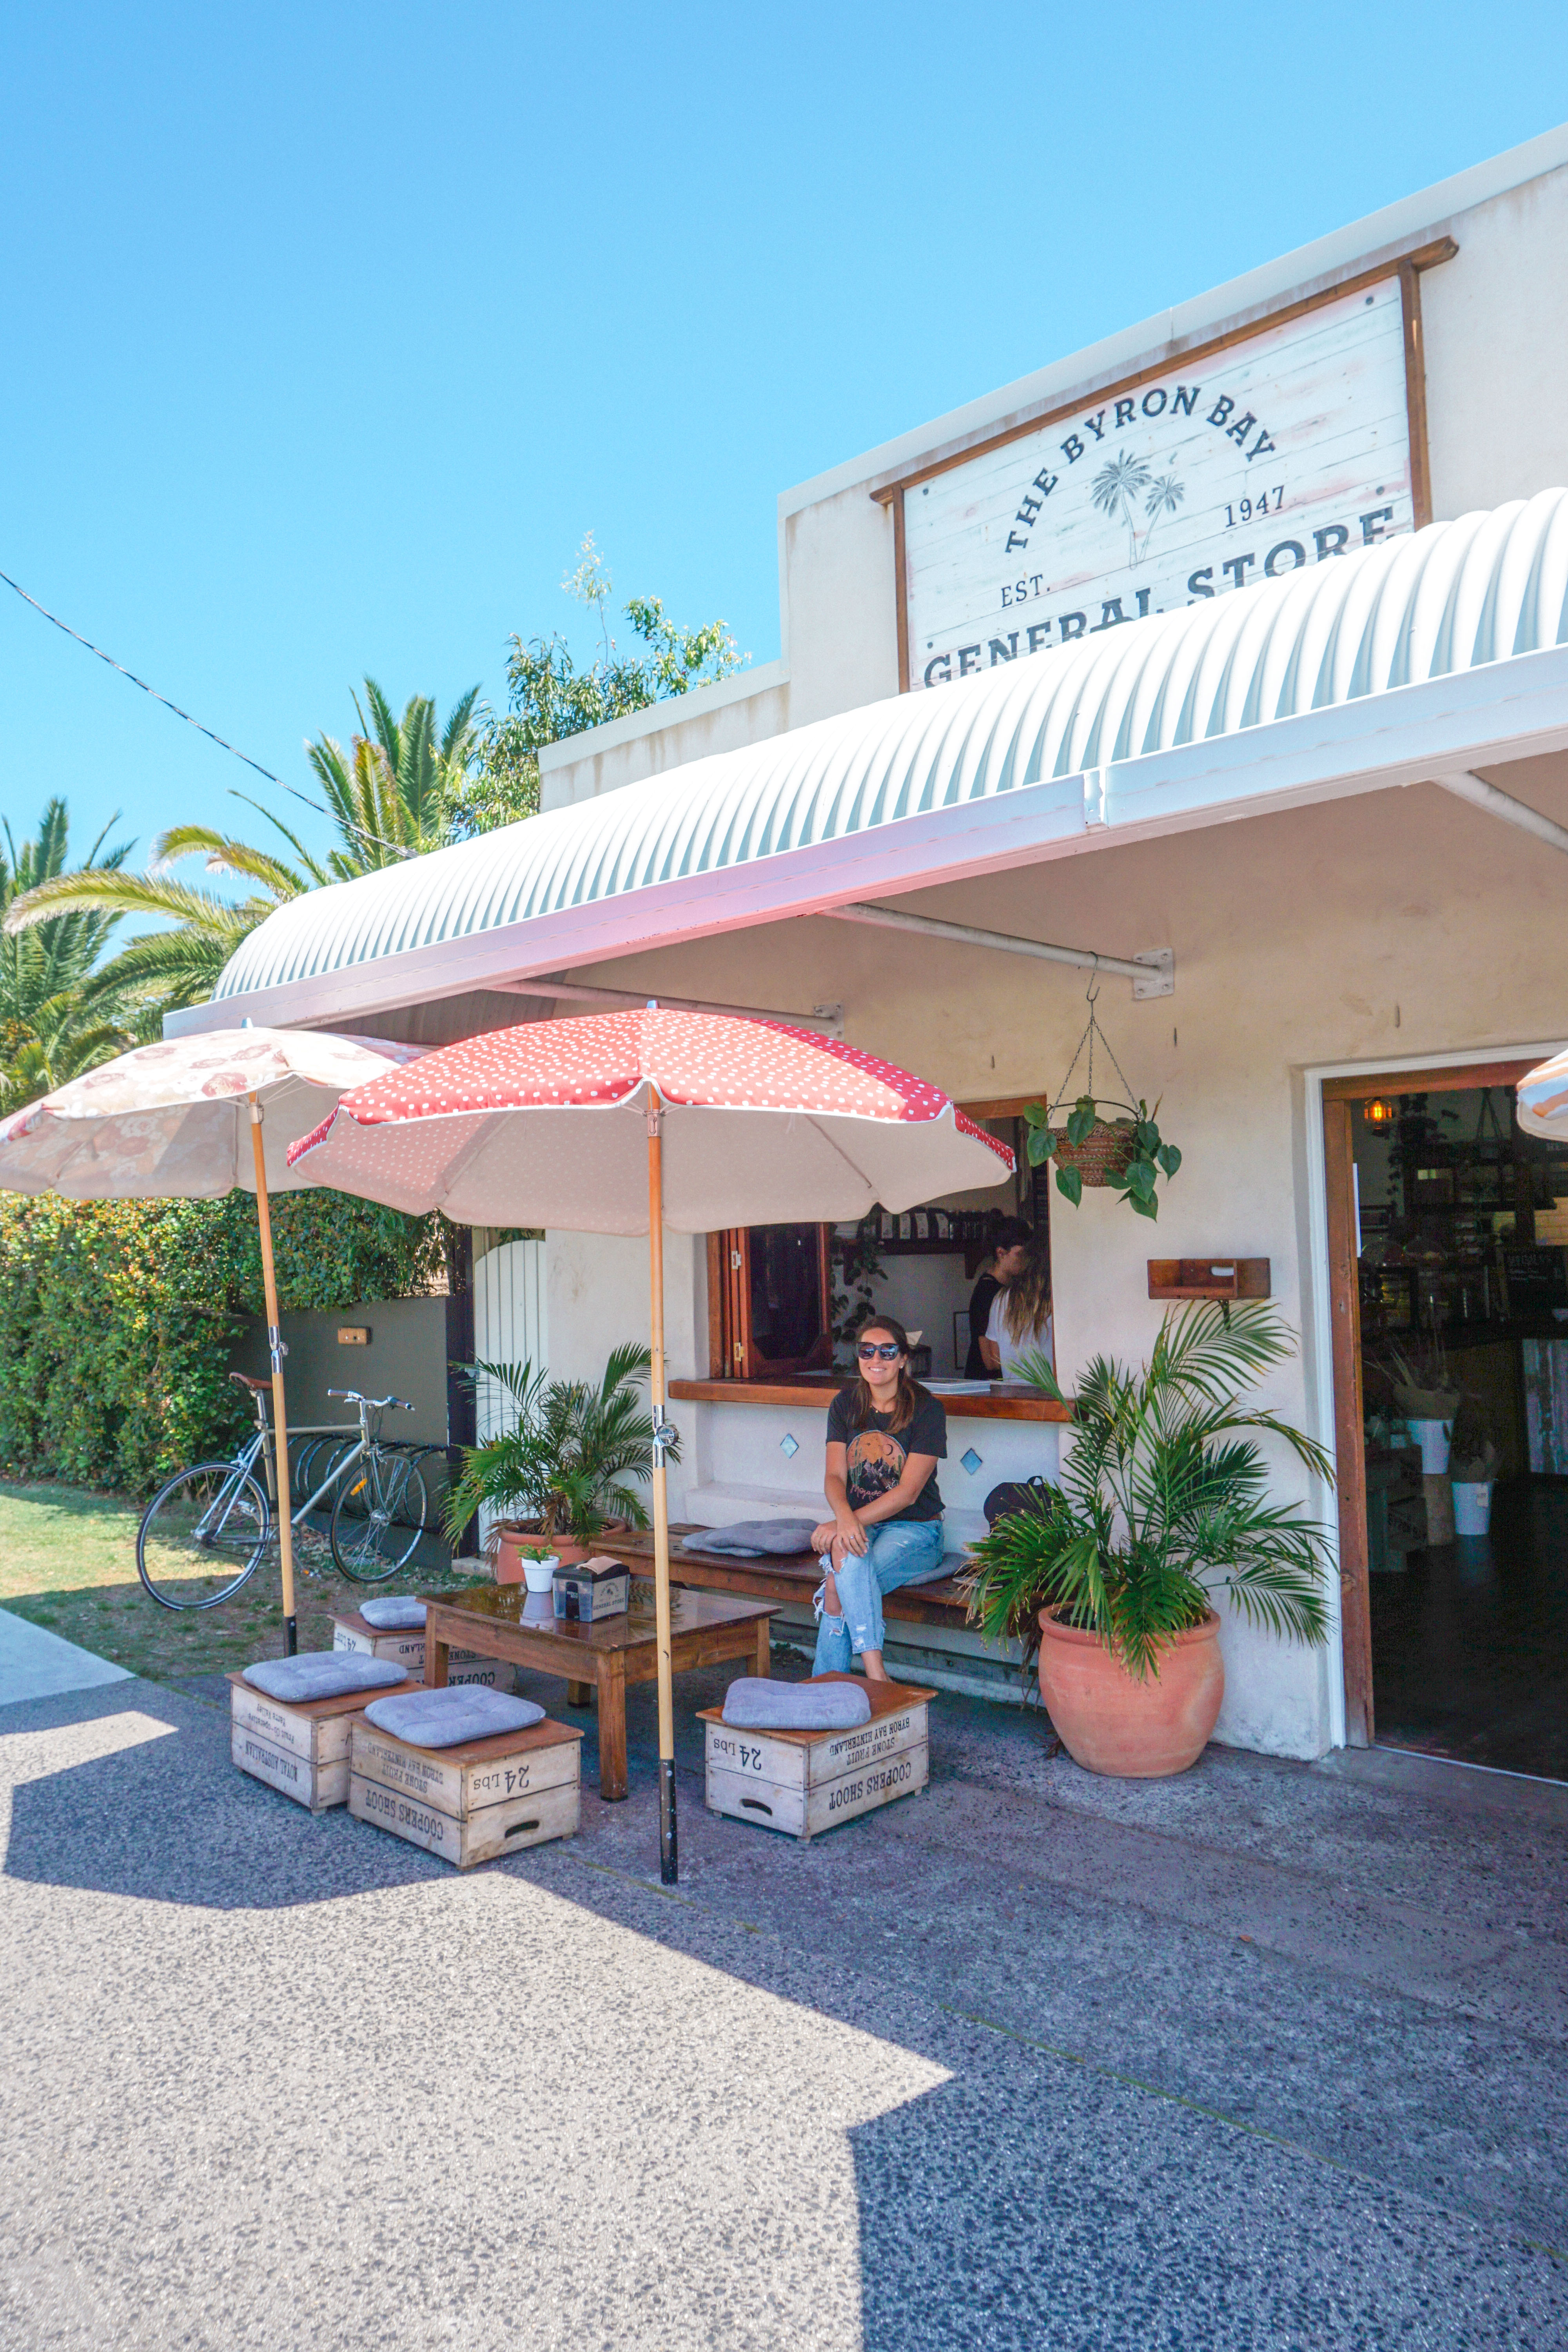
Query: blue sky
column 331, row 330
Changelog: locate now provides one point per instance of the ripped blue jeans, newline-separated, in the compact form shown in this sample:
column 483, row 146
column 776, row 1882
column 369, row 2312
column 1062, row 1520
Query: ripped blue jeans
column 900, row 1552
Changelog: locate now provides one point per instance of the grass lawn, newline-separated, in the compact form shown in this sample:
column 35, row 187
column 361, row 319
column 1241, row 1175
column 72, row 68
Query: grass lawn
column 67, row 1561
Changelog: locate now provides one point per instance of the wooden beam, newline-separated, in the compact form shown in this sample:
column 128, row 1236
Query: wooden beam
column 1420, row 257
column 1459, row 1077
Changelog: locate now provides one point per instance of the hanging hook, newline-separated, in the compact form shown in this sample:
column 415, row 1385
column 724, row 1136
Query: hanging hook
column 1093, row 991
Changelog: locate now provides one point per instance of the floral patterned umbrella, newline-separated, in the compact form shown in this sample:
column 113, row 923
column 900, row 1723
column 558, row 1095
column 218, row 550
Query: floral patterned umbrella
column 626, row 1122
column 191, row 1119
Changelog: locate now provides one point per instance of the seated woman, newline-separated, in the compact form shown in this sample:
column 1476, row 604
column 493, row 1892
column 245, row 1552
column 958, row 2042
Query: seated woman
column 885, row 1437
column 1021, row 1322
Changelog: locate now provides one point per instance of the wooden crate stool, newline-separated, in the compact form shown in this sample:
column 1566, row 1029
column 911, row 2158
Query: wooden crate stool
column 473, row 1800
column 300, row 1746
column 804, row 1781
column 405, row 1646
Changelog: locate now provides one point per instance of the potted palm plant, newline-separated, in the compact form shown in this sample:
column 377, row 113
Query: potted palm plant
column 1108, row 1577
column 561, row 1473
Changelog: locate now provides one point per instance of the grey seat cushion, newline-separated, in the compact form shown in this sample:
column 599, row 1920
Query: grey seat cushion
column 752, row 1704
column 754, row 1538
column 397, row 1612
column 445, row 1719
column 322, row 1674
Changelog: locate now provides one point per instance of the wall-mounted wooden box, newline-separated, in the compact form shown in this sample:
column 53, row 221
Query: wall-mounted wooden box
column 1209, row 1277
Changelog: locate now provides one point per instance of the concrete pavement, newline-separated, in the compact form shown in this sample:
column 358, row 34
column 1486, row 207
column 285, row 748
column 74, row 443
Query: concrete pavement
column 1254, row 2059
column 36, row 1663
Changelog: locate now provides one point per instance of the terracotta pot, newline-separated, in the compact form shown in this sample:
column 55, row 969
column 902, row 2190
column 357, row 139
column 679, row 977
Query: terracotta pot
column 1110, row 1722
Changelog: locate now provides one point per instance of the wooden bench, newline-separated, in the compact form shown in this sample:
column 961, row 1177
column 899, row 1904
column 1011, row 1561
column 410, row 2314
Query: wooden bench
column 787, row 1576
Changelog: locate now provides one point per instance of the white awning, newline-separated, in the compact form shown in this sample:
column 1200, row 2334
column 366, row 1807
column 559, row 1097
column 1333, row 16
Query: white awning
column 1414, row 657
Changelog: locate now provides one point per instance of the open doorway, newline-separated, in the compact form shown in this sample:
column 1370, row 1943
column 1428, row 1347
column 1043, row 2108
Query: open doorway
column 1450, row 1275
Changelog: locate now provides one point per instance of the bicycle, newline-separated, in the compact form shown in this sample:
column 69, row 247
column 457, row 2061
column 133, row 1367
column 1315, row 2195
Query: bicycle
column 388, row 1498
column 204, row 1532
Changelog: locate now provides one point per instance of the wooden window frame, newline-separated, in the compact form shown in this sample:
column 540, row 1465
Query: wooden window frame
column 732, row 1353
column 1406, row 267
column 1340, row 1098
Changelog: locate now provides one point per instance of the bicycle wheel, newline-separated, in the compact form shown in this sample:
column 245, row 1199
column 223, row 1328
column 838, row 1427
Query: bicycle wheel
column 299, row 1481
column 202, row 1535
column 379, row 1517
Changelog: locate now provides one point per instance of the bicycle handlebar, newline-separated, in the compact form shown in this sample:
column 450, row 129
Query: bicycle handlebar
column 378, row 1404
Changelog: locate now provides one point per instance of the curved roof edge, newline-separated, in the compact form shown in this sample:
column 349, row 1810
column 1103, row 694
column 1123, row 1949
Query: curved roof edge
column 1179, row 717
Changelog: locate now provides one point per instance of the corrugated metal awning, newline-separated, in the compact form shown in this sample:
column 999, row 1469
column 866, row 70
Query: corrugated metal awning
column 1421, row 654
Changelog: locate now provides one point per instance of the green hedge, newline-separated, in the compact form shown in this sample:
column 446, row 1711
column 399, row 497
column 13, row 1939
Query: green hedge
column 118, row 1318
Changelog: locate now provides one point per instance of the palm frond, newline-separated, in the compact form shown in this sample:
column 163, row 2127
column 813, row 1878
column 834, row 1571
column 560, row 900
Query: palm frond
column 1163, row 1500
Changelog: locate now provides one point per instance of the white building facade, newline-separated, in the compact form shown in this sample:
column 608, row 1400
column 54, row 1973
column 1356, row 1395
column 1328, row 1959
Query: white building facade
column 1234, row 648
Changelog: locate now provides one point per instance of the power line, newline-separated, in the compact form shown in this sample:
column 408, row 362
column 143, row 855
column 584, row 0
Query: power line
column 374, row 839
column 141, row 682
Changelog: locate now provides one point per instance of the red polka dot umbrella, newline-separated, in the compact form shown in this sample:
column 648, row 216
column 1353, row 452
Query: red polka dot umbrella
column 627, row 1122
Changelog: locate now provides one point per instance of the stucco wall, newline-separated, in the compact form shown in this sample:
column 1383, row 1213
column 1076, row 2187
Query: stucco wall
column 1370, row 931
column 1496, row 330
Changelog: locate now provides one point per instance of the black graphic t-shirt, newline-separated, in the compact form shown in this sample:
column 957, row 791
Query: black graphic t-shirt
column 878, row 1454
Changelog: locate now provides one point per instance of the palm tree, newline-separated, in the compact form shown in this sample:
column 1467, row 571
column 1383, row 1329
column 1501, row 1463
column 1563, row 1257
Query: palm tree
column 50, row 1030
column 1118, row 483
column 1161, row 1500
column 389, row 798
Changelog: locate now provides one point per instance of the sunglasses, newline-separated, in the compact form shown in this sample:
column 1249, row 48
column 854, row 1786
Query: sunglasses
column 889, row 1350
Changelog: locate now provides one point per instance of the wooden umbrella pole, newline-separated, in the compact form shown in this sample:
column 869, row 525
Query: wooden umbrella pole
column 279, row 1416
column 668, row 1869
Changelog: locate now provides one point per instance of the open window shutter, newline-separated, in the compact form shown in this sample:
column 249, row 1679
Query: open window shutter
column 730, row 1305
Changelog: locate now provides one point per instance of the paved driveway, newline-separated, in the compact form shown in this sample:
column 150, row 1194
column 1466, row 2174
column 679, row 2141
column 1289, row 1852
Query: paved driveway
column 1253, row 2059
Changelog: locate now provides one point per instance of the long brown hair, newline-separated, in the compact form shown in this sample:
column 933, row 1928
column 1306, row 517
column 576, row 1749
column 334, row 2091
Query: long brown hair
column 1026, row 1301
column 862, row 1404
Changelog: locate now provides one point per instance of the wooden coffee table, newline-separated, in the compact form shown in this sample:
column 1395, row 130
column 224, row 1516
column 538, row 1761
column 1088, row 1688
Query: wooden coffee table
column 706, row 1629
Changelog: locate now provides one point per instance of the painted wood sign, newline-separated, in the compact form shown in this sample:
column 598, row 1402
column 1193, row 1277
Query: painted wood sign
column 1246, row 463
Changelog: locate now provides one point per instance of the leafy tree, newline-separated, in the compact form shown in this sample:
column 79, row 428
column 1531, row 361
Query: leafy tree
column 551, row 697
column 47, row 1032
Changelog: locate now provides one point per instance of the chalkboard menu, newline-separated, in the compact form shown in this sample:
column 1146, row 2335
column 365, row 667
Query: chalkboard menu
column 1537, row 1281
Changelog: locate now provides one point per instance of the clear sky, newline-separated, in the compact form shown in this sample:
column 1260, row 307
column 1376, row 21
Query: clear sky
column 329, row 329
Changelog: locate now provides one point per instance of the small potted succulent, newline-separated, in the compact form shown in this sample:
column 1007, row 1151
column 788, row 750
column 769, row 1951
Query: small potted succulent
column 537, row 1561
column 556, row 1479
column 1108, row 1577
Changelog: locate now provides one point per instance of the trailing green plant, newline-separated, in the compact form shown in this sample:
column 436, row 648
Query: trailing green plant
column 860, row 1263
column 1148, row 1156
column 1132, row 1156
column 568, row 1455
column 1162, row 1502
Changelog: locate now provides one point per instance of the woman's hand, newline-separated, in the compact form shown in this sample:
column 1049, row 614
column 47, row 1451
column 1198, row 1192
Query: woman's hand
column 849, row 1536
column 842, row 1533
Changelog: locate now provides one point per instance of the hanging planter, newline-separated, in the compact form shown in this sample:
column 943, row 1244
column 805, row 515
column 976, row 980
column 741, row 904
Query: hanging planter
column 1109, row 1144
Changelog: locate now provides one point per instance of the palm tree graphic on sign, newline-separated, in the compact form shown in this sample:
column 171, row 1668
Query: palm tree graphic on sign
column 1165, row 495
column 1115, row 487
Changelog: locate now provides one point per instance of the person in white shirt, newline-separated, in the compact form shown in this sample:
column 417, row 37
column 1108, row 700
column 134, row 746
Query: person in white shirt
column 1021, row 1322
